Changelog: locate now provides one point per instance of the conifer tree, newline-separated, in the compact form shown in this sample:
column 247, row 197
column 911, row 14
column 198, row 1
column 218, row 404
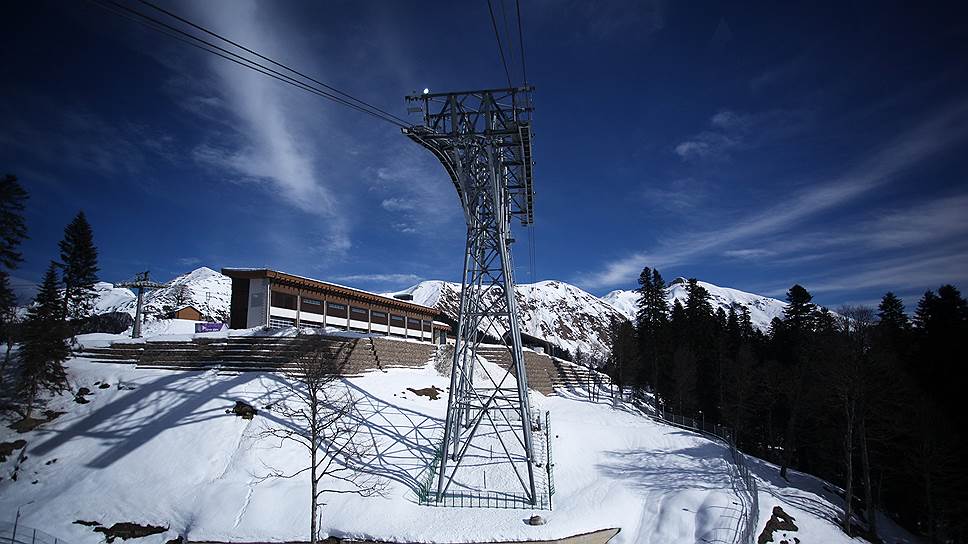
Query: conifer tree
column 8, row 306
column 79, row 262
column 698, row 308
column 745, row 323
column 922, row 314
column 800, row 311
column 732, row 327
column 652, row 320
column 890, row 312
column 893, row 325
column 13, row 228
column 44, row 347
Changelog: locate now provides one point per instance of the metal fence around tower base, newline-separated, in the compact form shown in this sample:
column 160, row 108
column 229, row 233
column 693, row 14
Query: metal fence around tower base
column 14, row 533
column 473, row 498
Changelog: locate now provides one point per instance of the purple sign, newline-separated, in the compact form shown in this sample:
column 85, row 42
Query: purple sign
column 209, row 327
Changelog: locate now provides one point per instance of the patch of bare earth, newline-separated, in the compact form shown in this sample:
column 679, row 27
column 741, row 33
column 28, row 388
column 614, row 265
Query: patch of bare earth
column 432, row 392
column 28, row 424
column 123, row 530
column 779, row 521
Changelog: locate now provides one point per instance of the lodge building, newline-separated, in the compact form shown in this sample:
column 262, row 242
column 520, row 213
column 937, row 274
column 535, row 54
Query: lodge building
column 269, row 298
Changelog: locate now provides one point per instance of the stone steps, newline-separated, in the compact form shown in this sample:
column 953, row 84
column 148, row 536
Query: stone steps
column 544, row 373
column 354, row 357
column 263, row 354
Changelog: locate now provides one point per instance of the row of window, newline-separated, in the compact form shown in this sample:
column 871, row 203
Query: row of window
column 333, row 309
column 283, row 322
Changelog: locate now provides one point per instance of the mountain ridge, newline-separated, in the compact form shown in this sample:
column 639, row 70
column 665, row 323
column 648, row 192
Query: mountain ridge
column 552, row 310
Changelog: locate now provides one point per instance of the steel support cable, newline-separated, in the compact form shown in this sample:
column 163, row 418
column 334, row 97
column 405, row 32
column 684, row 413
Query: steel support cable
column 507, row 33
column 265, row 58
column 180, row 35
column 500, row 47
column 524, row 70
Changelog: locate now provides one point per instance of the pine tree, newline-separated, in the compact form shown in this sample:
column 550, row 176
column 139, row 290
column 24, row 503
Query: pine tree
column 79, row 261
column 800, row 311
column 13, row 228
column 44, row 347
column 890, row 313
column 733, row 331
column 745, row 323
column 677, row 316
column 652, row 320
column 8, row 306
column 698, row 308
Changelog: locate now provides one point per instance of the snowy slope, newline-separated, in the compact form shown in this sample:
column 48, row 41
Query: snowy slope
column 551, row 310
column 207, row 290
column 762, row 309
column 162, row 450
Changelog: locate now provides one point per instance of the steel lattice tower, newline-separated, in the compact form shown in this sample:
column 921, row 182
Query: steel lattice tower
column 483, row 139
column 142, row 282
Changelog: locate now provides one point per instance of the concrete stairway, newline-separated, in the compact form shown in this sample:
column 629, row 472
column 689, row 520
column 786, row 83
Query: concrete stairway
column 391, row 353
column 263, row 353
column 353, row 356
column 545, row 374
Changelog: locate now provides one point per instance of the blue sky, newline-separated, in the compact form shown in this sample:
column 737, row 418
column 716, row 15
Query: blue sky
column 751, row 146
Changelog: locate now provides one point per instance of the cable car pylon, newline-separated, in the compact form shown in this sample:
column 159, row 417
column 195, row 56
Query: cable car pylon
column 483, row 140
column 142, row 282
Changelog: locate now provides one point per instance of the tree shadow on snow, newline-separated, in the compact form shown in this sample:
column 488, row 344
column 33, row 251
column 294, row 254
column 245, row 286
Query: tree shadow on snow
column 134, row 418
column 699, row 467
column 803, row 491
column 401, row 443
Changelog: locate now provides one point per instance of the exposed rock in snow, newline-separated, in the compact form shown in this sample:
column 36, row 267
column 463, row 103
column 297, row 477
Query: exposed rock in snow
column 551, row 310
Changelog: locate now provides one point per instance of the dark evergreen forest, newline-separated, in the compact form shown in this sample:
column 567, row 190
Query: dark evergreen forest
column 866, row 398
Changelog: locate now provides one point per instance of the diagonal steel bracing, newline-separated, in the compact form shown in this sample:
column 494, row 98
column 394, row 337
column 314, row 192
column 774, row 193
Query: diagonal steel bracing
column 483, row 140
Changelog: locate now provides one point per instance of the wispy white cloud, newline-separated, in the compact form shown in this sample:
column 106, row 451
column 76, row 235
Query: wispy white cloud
column 758, row 229
column 913, row 271
column 676, row 196
column 272, row 143
column 87, row 141
column 398, row 204
column 749, row 253
column 731, row 131
column 383, row 279
column 414, row 189
column 608, row 20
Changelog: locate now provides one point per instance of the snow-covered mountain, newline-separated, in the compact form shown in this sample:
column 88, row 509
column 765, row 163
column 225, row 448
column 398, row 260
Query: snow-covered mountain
column 551, row 310
column 207, row 290
column 762, row 309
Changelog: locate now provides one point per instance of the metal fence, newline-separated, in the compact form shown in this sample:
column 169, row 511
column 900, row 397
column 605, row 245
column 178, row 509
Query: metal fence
column 743, row 482
column 427, row 489
column 14, row 533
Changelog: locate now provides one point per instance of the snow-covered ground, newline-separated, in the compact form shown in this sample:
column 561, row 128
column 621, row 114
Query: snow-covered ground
column 158, row 447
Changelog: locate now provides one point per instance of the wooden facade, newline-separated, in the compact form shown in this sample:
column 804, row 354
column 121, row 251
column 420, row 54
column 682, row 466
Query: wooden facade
column 188, row 312
column 263, row 297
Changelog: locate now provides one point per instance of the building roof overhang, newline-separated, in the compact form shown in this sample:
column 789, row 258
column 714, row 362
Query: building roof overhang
column 311, row 284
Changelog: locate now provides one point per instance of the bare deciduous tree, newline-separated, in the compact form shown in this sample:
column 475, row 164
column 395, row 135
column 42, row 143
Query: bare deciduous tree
column 317, row 412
